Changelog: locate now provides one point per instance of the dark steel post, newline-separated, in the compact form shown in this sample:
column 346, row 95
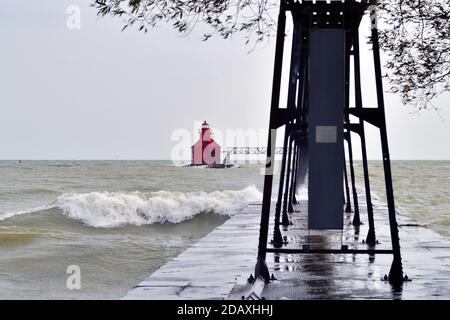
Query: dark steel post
column 285, row 219
column 292, row 106
column 371, row 237
column 261, row 269
column 292, row 187
column 396, row 272
column 277, row 241
column 356, row 218
column 348, row 205
column 300, row 165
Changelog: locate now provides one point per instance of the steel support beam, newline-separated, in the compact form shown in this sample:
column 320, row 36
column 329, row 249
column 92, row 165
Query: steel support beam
column 261, row 269
column 371, row 237
column 396, row 272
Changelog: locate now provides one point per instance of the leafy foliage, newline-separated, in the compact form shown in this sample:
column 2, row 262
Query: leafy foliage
column 417, row 41
column 225, row 17
column 414, row 33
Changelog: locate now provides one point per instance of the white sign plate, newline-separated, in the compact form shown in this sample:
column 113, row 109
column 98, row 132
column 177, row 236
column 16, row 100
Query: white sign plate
column 326, row 134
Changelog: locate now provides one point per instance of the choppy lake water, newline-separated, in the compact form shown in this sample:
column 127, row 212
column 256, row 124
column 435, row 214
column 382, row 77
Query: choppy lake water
column 121, row 220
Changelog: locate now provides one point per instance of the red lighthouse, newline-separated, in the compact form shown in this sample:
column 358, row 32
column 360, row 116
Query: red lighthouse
column 205, row 151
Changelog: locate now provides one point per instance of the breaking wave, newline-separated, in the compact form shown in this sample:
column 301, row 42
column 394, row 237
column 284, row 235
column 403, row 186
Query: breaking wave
column 4, row 216
column 116, row 209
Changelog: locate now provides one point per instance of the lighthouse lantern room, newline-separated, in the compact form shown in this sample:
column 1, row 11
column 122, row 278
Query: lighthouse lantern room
column 205, row 151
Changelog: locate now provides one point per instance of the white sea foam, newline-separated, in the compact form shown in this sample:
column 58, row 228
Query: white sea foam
column 7, row 215
column 115, row 209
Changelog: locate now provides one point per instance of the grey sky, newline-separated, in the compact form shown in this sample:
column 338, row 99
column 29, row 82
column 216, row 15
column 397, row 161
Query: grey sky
column 98, row 93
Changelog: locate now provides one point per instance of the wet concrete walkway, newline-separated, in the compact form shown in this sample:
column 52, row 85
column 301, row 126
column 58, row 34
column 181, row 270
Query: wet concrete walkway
column 217, row 267
column 211, row 267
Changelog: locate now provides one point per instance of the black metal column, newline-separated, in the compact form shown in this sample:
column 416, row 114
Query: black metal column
column 396, row 273
column 286, row 159
column 371, row 238
column 277, row 241
column 261, row 266
column 292, row 200
column 285, row 218
column 348, row 136
column 348, row 205
column 300, row 144
column 293, row 107
column 356, row 218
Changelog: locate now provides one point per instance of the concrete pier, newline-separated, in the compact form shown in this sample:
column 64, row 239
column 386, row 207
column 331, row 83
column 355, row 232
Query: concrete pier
column 212, row 267
column 217, row 267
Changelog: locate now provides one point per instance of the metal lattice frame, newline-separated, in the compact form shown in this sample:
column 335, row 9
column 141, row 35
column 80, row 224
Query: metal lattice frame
column 307, row 16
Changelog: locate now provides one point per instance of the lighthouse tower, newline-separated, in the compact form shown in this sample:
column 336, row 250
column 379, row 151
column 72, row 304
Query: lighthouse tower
column 205, row 151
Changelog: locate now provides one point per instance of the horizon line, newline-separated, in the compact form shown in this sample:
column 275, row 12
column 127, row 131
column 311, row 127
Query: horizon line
column 144, row 159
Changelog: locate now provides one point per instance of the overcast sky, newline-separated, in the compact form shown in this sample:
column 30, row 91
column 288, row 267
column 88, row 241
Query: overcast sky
column 99, row 93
